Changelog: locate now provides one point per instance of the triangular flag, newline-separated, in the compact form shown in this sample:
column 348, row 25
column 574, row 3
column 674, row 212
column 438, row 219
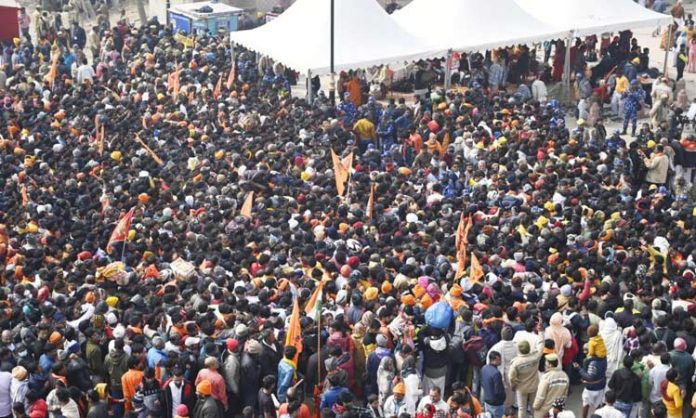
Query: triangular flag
column 120, row 232
column 461, row 263
column 246, row 207
column 347, row 162
column 53, row 72
column 294, row 335
column 218, row 88
column 25, row 195
column 445, row 144
column 476, row 271
column 469, row 224
column 371, row 202
column 232, row 76
column 339, row 173
column 313, row 306
column 459, row 237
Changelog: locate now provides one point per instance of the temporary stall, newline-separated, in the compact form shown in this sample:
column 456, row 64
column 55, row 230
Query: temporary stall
column 591, row 17
column 9, row 20
column 364, row 35
column 474, row 25
column 204, row 17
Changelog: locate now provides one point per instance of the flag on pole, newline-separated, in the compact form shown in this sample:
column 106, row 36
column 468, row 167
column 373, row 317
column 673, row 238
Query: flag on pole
column 313, row 307
column 120, row 233
column 232, row 76
column 461, row 263
column 445, row 144
column 371, row 202
column 469, row 224
column 461, row 230
column 476, row 272
column 25, row 195
column 294, row 335
column 246, row 207
column 347, row 162
column 339, row 173
column 53, row 72
column 218, row 88
column 100, row 135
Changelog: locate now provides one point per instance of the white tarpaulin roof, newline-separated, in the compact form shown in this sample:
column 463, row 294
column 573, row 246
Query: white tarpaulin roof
column 365, row 35
column 592, row 17
column 473, row 25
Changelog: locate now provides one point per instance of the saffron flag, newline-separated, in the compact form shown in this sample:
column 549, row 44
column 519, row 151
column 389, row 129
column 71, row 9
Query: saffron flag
column 476, row 272
column 445, row 144
column 461, row 263
column 232, row 76
column 25, row 195
column 461, row 229
column 371, row 202
column 313, row 307
column 339, row 173
column 120, row 233
column 246, row 207
column 294, row 335
column 53, row 72
column 218, row 88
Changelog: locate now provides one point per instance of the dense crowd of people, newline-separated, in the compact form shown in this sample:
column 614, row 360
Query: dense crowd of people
column 178, row 239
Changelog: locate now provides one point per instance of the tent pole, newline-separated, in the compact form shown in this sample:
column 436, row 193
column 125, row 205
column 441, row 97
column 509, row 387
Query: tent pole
column 332, row 88
column 566, row 95
column 448, row 70
column 668, row 46
column 309, row 87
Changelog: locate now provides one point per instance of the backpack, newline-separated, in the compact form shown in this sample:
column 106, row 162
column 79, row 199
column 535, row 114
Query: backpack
column 474, row 350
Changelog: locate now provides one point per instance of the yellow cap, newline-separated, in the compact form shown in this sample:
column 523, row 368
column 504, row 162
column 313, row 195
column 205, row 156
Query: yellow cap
column 116, row 155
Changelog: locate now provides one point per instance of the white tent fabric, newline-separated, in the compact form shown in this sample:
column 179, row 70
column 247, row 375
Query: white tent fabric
column 365, row 35
column 592, row 17
column 474, row 25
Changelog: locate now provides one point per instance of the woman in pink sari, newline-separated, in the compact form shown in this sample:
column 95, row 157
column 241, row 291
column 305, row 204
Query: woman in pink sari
column 692, row 56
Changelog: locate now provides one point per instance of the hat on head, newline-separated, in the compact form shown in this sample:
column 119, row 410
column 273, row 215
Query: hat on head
column 204, row 387
column 680, row 344
column 399, row 389
column 191, row 341
column 182, row 410
column 523, row 347
column 381, row 340
column 19, row 373
column 551, row 357
column 371, row 293
column 232, row 344
column 112, row 301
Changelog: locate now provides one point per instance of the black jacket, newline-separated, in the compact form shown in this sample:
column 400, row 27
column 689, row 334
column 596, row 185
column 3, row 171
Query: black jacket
column 626, row 385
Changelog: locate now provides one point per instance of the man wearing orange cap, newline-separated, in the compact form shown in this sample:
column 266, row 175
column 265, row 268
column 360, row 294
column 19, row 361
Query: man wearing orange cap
column 397, row 404
column 207, row 406
column 454, row 297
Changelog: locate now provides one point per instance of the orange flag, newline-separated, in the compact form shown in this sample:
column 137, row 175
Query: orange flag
column 347, row 162
column 246, row 207
column 460, row 236
column 339, row 173
column 100, row 135
column 120, row 233
column 294, row 335
column 445, row 144
column 469, row 224
column 371, row 202
column 461, row 262
column 53, row 72
column 25, row 195
column 476, row 271
column 218, row 88
column 232, row 76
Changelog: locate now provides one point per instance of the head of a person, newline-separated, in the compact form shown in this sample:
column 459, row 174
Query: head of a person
column 290, row 352
column 269, row 382
column 672, row 375
column 435, row 394
column 63, row 396
column 204, row 389
column 212, row 363
column 495, row 358
column 399, row 391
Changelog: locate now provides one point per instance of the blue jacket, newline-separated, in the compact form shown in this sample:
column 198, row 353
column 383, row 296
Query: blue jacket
column 594, row 372
column 330, row 397
column 155, row 356
column 492, row 384
column 285, row 375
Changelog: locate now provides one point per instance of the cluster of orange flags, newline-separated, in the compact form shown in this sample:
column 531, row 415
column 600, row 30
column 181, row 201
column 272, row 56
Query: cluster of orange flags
column 341, row 170
column 120, row 233
column 246, row 207
column 461, row 243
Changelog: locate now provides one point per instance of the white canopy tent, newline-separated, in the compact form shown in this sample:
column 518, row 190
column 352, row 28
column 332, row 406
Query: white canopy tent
column 474, row 25
column 364, row 35
column 591, row 17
